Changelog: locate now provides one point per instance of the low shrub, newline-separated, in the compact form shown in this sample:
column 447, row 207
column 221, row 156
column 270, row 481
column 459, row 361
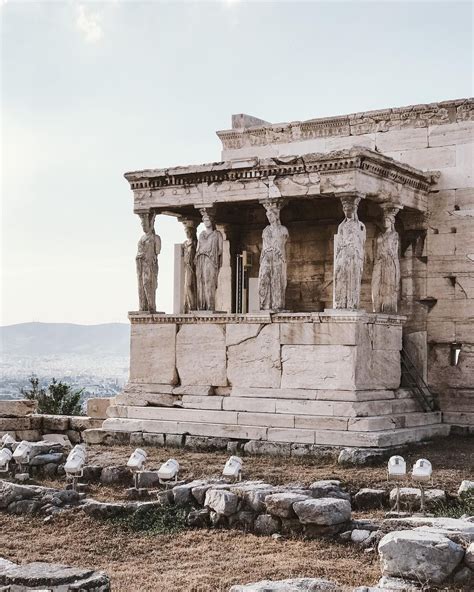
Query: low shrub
column 154, row 521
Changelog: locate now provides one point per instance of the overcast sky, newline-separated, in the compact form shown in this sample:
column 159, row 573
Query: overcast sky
column 91, row 90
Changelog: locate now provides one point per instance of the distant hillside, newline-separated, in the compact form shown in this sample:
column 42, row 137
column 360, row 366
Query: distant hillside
column 44, row 339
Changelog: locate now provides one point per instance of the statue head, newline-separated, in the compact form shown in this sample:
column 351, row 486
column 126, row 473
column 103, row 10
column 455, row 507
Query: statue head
column 273, row 215
column 147, row 222
column 349, row 207
column 190, row 229
column 389, row 218
column 273, row 208
column 207, row 219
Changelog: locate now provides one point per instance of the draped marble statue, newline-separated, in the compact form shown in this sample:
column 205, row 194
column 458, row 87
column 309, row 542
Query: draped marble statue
column 272, row 277
column 386, row 273
column 189, row 254
column 348, row 256
column 208, row 261
column 149, row 247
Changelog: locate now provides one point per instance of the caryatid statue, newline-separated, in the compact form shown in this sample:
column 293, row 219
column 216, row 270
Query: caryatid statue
column 149, row 247
column 272, row 276
column 348, row 256
column 208, row 262
column 386, row 272
column 189, row 254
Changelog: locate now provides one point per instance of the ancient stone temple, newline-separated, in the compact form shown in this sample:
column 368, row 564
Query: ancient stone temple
column 328, row 298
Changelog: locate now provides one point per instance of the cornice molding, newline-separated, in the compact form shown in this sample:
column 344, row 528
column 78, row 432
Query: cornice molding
column 350, row 125
column 356, row 158
column 329, row 316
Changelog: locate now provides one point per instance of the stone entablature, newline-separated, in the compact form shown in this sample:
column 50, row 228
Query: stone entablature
column 354, row 124
column 357, row 171
column 332, row 316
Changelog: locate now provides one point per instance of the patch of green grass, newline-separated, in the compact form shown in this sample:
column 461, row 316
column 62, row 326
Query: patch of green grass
column 154, row 521
column 457, row 508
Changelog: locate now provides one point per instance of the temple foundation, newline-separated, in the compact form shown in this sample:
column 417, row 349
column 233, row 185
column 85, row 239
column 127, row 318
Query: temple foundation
column 330, row 378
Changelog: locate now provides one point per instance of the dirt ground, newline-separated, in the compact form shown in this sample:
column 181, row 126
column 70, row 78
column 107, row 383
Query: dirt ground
column 211, row 561
column 191, row 561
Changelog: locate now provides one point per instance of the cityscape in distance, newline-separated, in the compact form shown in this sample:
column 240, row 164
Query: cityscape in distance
column 94, row 358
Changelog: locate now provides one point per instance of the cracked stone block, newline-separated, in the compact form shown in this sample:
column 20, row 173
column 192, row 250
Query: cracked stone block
column 253, row 355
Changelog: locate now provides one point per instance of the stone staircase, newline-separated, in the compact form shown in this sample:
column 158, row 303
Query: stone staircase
column 372, row 419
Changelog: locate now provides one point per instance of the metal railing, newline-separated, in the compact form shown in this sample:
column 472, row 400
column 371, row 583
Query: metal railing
column 413, row 380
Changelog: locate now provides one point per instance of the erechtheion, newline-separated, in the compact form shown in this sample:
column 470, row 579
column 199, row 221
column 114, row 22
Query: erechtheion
column 329, row 298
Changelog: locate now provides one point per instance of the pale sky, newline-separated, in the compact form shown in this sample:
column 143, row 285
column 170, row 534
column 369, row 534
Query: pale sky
column 91, row 90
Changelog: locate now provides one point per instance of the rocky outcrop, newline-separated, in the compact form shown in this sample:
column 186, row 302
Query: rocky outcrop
column 293, row 585
column 54, row 577
column 421, row 556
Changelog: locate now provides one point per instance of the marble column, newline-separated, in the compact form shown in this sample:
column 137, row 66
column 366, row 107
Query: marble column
column 224, row 280
column 349, row 256
column 149, row 247
column 272, row 277
column 386, row 272
column 189, row 248
column 208, row 261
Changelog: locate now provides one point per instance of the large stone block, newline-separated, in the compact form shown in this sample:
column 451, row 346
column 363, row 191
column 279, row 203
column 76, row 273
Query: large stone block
column 427, row 159
column 387, row 337
column 141, row 396
column 271, row 420
column 17, row 408
column 253, row 357
column 404, row 139
column 198, row 402
column 11, row 424
column 97, row 407
column 177, row 414
column 201, row 355
column 377, row 369
column 249, row 404
column 281, row 504
column 323, row 511
column 318, row 367
column 153, row 353
column 319, row 333
column 451, row 134
column 223, row 431
column 460, row 176
column 422, row 556
column 291, row 435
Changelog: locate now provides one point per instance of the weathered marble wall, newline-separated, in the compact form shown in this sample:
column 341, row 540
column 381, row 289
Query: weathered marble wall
column 437, row 286
column 326, row 353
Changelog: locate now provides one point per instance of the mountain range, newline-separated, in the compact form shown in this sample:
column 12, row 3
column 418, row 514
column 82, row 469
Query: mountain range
column 45, row 339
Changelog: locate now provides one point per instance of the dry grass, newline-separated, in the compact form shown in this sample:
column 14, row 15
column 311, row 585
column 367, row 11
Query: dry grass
column 191, row 561
column 211, row 561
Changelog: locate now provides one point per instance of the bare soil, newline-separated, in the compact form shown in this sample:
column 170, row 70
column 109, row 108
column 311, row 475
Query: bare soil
column 190, row 561
column 213, row 560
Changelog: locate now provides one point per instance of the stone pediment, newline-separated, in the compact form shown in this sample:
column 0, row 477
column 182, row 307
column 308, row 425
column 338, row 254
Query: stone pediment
column 358, row 170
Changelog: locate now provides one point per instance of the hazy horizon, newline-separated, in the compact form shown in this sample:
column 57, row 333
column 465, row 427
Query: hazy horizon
column 91, row 90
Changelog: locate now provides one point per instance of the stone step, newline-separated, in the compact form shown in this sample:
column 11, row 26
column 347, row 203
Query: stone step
column 459, row 417
column 276, row 420
column 380, row 438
